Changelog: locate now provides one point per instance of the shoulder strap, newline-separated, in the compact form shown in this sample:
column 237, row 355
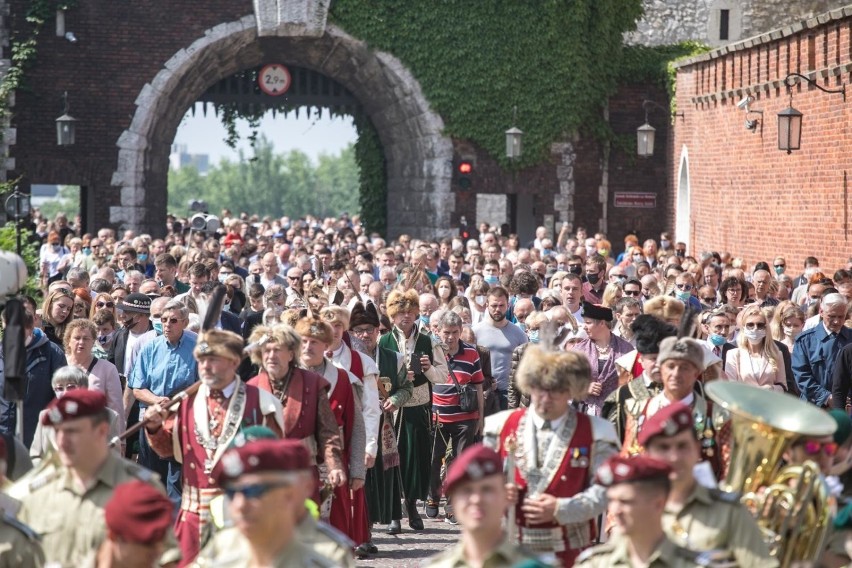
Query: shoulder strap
column 92, row 365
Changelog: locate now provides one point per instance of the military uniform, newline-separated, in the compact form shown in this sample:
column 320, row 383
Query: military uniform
column 667, row 555
column 295, row 554
column 229, row 548
column 715, row 520
column 19, row 546
column 504, row 556
column 70, row 519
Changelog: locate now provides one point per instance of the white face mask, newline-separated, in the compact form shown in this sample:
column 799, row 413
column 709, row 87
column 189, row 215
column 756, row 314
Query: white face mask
column 480, row 300
column 754, row 336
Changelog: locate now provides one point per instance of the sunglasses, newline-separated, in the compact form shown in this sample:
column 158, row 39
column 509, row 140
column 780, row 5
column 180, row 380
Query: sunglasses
column 753, row 325
column 254, row 491
column 169, row 320
column 685, row 287
column 293, row 278
column 814, row 448
column 709, row 300
column 109, row 305
column 632, row 292
column 780, row 265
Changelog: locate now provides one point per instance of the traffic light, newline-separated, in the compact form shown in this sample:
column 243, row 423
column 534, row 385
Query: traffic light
column 464, row 169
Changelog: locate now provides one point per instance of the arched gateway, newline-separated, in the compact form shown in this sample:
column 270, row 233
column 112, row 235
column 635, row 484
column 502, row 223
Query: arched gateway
column 418, row 156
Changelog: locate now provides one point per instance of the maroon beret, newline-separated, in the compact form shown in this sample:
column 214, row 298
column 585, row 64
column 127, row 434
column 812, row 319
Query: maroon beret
column 138, row 512
column 261, row 456
column 667, row 421
column 473, row 464
column 620, row 469
column 77, row 403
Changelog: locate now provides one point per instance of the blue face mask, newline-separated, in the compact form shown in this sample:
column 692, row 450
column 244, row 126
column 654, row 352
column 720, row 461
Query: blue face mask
column 424, row 320
column 717, row 340
column 522, row 325
column 142, row 257
column 682, row 296
column 779, row 270
column 534, row 336
column 87, row 251
column 158, row 327
column 491, row 280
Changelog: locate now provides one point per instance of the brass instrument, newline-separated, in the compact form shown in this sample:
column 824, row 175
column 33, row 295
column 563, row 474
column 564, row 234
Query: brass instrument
column 792, row 504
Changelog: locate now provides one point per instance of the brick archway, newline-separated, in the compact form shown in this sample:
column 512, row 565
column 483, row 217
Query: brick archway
column 418, row 155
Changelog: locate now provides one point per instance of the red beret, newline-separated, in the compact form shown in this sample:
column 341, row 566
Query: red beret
column 668, row 421
column 262, row 456
column 75, row 404
column 137, row 512
column 620, row 469
column 473, row 464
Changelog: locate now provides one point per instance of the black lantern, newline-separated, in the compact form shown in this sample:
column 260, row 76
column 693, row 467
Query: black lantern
column 18, row 206
column 65, row 125
column 789, row 129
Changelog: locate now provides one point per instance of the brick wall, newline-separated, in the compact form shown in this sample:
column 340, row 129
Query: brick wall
column 747, row 197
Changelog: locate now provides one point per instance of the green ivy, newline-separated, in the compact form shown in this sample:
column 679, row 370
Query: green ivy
column 370, row 157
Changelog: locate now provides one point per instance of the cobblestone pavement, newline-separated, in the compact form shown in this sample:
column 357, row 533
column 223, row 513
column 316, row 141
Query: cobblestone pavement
column 410, row 548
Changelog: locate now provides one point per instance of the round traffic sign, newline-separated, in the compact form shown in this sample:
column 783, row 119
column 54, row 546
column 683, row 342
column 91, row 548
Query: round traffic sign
column 274, row 79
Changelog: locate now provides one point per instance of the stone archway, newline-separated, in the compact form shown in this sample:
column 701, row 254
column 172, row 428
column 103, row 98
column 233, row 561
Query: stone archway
column 417, row 154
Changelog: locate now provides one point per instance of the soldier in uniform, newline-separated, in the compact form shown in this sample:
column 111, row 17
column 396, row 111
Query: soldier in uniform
column 65, row 506
column 637, row 488
column 478, row 490
column 556, row 450
column 267, row 482
column 695, row 516
column 204, row 425
column 640, row 365
column 138, row 520
column 19, row 545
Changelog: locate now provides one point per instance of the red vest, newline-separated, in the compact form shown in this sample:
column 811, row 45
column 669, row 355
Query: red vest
column 342, row 401
column 300, row 412
column 356, row 367
column 568, row 480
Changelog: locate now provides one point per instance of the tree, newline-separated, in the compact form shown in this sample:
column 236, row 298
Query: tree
column 67, row 201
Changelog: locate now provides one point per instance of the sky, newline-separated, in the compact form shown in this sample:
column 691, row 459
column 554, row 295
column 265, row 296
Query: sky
column 313, row 136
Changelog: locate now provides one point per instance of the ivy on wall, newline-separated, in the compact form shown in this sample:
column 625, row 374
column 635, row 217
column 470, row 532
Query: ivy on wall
column 370, row 157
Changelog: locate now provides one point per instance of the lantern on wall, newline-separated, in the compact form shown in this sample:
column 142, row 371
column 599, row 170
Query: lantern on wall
column 790, row 119
column 66, row 125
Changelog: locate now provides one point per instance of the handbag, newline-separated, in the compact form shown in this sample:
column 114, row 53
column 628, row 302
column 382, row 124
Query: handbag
column 467, row 394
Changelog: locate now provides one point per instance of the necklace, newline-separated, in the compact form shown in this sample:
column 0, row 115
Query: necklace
column 281, row 389
column 232, row 419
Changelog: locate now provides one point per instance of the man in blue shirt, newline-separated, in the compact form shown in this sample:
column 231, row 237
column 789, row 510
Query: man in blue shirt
column 164, row 367
column 816, row 349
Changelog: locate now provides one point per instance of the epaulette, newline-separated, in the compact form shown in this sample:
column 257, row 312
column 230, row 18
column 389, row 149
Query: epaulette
column 604, row 548
column 42, row 480
column 24, row 528
column 335, row 535
column 725, row 496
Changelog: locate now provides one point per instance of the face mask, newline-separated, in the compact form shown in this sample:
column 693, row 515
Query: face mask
column 491, row 280
column 87, row 251
column 591, row 250
column 790, row 331
column 546, row 252
column 444, row 292
column 682, row 295
column 480, row 300
column 522, row 325
column 754, row 335
column 129, row 323
column 575, row 269
column 680, row 253
column 560, row 267
column 593, row 278
column 142, row 257
column 665, row 244
column 620, row 277
column 603, row 252
column 638, row 258
column 158, row 327
column 104, row 339
column 424, row 320
column 534, row 336
column 779, row 270
column 717, row 340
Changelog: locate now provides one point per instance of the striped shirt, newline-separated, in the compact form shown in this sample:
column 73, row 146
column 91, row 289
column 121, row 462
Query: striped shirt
column 445, row 398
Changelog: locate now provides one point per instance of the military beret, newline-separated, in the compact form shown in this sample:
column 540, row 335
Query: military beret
column 315, row 329
column 668, row 421
column 139, row 513
column 252, row 433
column 136, row 302
column 77, row 403
column 620, row 469
column 591, row 311
column 473, row 464
column 219, row 343
column 261, row 456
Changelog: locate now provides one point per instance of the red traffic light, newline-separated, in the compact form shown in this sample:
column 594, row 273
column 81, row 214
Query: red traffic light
column 465, row 167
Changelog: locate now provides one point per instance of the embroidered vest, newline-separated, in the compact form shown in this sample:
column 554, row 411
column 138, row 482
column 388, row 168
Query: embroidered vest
column 388, row 367
column 300, row 412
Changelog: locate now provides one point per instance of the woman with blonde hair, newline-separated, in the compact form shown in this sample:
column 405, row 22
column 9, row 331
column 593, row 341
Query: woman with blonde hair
column 756, row 360
column 103, row 301
column 787, row 323
column 56, row 313
column 79, row 340
column 612, row 294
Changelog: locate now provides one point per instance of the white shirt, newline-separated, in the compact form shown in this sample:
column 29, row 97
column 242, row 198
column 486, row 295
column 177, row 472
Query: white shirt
column 371, row 407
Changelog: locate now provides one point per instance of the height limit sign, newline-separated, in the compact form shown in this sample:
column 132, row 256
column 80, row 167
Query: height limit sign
column 274, row 79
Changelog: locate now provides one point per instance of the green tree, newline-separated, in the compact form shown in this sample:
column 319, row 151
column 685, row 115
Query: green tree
column 67, row 201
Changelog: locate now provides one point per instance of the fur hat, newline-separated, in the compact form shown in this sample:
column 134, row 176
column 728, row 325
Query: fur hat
column 363, row 315
column 554, row 370
column 316, row 329
column 649, row 331
column 402, row 301
column 219, row 343
column 335, row 314
column 664, row 307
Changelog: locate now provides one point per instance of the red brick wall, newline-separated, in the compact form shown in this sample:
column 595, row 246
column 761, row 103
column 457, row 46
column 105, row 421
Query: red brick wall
column 747, row 197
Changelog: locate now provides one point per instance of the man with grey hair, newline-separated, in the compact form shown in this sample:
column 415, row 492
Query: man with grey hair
column 165, row 366
column 78, row 277
column 816, row 350
column 428, row 305
column 456, row 423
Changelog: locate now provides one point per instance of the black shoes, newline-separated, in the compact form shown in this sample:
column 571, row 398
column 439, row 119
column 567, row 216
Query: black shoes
column 395, row 527
column 432, row 508
column 414, row 520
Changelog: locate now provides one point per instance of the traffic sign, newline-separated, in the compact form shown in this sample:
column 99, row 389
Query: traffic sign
column 274, row 79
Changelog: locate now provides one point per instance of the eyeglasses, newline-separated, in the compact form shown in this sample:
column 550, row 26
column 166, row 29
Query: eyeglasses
column 632, row 292
column 102, row 304
column 709, row 300
column 814, row 448
column 361, row 330
column 169, row 320
column 754, row 325
column 65, row 388
column 294, row 277
column 254, row 491
column 685, row 287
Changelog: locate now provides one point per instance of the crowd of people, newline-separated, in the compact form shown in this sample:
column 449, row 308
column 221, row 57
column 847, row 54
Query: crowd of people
column 546, row 396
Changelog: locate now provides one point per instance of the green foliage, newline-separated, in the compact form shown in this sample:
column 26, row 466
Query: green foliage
column 556, row 60
column 271, row 184
column 29, row 252
column 373, row 178
column 67, row 201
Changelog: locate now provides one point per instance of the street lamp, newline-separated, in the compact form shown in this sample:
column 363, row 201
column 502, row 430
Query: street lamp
column 18, row 208
column 790, row 119
column 513, row 137
column 645, row 134
column 65, row 124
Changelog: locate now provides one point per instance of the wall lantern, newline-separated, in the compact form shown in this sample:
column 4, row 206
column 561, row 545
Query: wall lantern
column 645, row 134
column 65, row 124
column 513, row 138
column 790, row 119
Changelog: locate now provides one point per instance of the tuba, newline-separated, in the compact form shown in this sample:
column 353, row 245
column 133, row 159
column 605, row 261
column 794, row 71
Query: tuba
column 792, row 504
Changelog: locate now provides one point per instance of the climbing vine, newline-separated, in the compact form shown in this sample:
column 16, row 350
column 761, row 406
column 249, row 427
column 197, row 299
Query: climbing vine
column 371, row 162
